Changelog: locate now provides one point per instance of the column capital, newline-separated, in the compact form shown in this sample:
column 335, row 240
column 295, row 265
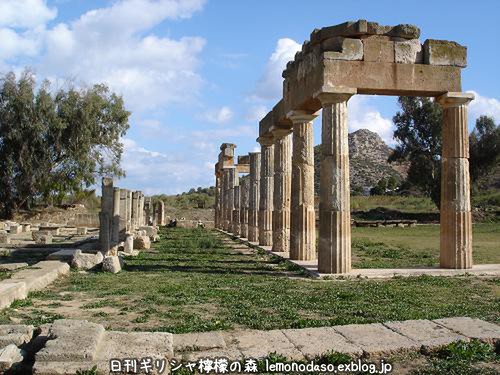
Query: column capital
column 301, row 116
column 334, row 94
column 266, row 140
column 454, row 99
column 280, row 131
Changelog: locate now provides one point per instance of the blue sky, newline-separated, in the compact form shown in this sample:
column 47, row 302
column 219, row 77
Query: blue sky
column 198, row 73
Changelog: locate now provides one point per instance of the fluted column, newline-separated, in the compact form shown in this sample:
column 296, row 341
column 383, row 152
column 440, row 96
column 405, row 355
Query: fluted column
column 254, row 197
column 217, row 201
column 456, row 220
column 266, row 191
column 225, row 203
column 244, row 203
column 282, row 190
column 334, row 247
column 236, row 226
column 230, row 196
column 303, row 220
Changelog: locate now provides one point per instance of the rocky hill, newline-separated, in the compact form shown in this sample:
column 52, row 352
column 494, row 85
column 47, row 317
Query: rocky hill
column 368, row 161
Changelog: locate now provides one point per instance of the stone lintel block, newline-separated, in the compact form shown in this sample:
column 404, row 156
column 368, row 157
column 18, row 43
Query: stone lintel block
column 334, row 247
column 455, row 239
column 243, row 159
column 378, row 50
column 455, row 184
column 343, row 48
column 472, row 328
column 444, row 52
column 376, row 340
column 427, row 333
column 408, row 52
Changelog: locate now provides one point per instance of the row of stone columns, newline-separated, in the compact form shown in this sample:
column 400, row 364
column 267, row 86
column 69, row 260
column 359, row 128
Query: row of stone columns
column 124, row 211
column 280, row 211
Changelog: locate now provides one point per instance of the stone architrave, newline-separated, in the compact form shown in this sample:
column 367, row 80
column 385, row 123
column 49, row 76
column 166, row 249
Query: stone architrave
column 254, row 197
column 456, row 219
column 266, row 191
column 282, row 189
column 334, row 247
column 303, row 218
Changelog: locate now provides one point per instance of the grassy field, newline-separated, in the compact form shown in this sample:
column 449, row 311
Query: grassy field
column 194, row 281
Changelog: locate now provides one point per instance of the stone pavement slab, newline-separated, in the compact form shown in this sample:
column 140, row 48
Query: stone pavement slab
column 12, row 266
column 198, row 341
column 156, row 345
column 40, row 274
column 11, row 290
column 313, row 342
column 258, row 344
column 376, row 339
column 472, row 328
column 16, row 334
column 65, row 255
column 425, row 332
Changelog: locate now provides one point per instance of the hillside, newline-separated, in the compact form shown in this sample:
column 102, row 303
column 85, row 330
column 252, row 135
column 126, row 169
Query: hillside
column 368, row 161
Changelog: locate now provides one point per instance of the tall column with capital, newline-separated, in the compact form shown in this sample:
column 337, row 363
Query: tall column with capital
column 334, row 248
column 303, row 219
column 282, row 189
column 254, row 197
column 456, row 220
column 266, row 191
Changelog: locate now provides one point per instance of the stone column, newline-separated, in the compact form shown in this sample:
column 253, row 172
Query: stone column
column 135, row 210
column 115, row 222
column 334, row 247
column 456, row 220
column 160, row 214
column 231, row 180
column 141, row 209
column 303, row 219
column 217, row 201
column 106, row 214
column 244, row 200
column 123, row 212
column 254, row 197
column 282, row 190
column 225, row 182
column 236, row 212
column 129, row 211
column 266, row 191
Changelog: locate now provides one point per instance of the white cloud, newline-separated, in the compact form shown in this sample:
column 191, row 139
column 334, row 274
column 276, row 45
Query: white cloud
column 270, row 85
column 25, row 13
column 217, row 116
column 483, row 105
column 113, row 45
column 363, row 116
column 256, row 113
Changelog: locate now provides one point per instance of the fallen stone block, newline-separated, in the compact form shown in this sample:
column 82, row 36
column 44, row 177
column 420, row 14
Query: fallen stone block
column 149, row 230
column 11, row 290
column 71, row 341
column 313, row 342
column 112, row 264
column 42, row 237
column 4, row 238
column 142, row 243
column 443, row 52
column 408, row 52
column 472, row 328
column 81, row 231
column 376, row 339
column 10, row 356
column 15, row 229
column 12, row 266
column 41, row 274
column 64, row 255
column 85, row 261
column 426, row 333
column 26, row 227
column 198, row 341
column 16, row 334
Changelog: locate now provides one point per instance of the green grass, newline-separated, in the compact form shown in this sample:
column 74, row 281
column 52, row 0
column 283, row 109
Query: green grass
column 400, row 203
column 194, row 282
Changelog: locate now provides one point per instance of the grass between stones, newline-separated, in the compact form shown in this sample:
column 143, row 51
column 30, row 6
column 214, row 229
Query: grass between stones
column 196, row 280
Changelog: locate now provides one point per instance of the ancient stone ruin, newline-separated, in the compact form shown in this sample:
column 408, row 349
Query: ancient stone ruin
column 274, row 205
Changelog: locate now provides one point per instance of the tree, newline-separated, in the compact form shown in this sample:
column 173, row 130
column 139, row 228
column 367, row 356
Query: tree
column 380, row 188
column 484, row 148
column 53, row 144
column 392, row 183
column 418, row 133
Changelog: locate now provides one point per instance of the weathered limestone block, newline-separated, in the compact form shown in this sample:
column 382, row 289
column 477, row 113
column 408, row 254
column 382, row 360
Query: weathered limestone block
column 16, row 334
column 128, row 246
column 112, row 264
column 15, row 229
column 343, row 48
column 142, row 242
column 378, row 50
column 26, row 227
column 149, row 230
column 81, row 231
column 84, row 261
column 10, row 356
column 408, row 52
column 443, row 52
column 4, row 237
column 42, row 237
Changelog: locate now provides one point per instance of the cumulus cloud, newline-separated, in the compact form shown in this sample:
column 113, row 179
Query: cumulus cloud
column 25, row 13
column 362, row 115
column 256, row 113
column 270, row 85
column 483, row 105
column 217, row 116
